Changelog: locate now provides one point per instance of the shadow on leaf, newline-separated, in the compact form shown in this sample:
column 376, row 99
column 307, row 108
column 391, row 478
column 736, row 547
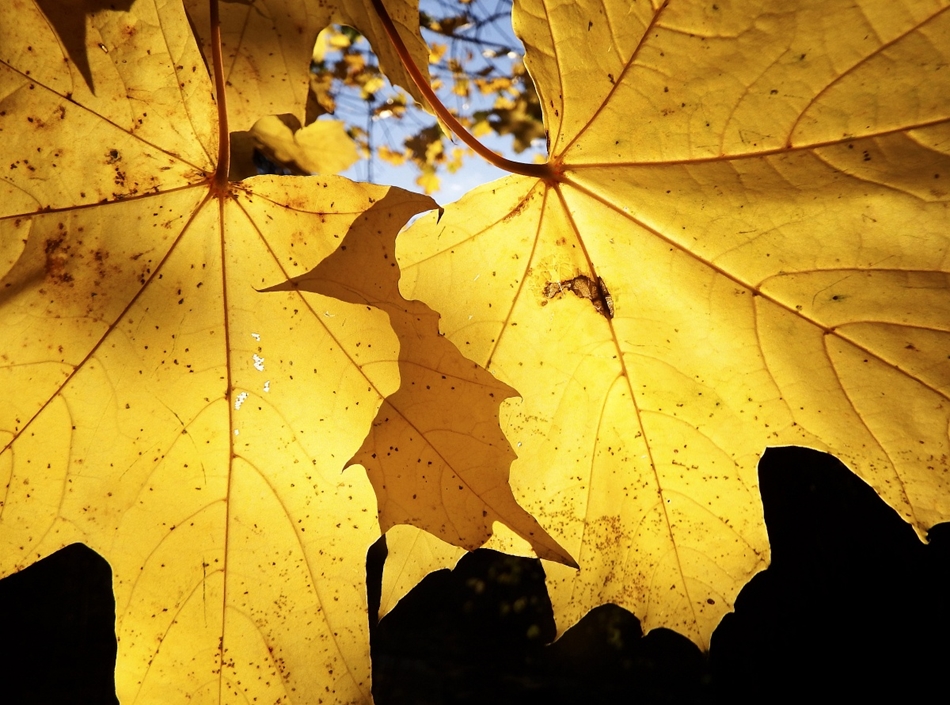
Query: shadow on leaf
column 69, row 18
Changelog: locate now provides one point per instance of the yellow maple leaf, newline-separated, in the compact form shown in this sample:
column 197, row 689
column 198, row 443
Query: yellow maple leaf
column 654, row 295
column 740, row 242
column 159, row 409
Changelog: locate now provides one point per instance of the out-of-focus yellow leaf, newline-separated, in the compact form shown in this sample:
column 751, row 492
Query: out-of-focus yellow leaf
column 321, row 89
column 329, row 39
column 434, row 150
column 518, row 117
column 504, row 102
column 355, row 63
column 322, row 45
column 338, row 40
column 319, row 148
column 459, row 154
column 746, row 246
column 481, row 128
column 436, row 52
column 388, row 155
column 499, row 84
column 428, row 181
column 158, row 407
column 372, row 85
column 461, row 87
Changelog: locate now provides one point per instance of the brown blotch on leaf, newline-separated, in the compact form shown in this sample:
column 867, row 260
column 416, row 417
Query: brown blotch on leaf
column 586, row 288
column 517, row 210
column 56, row 257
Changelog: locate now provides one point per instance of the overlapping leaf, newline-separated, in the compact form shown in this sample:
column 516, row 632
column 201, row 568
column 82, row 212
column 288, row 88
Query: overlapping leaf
column 158, row 407
column 319, row 148
column 435, row 455
column 267, row 47
column 745, row 246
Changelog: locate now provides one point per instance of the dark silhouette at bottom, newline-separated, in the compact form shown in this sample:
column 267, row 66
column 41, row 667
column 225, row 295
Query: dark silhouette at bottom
column 853, row 604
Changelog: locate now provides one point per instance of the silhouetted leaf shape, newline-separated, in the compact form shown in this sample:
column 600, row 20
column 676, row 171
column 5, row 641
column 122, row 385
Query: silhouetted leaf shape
column 436, row 454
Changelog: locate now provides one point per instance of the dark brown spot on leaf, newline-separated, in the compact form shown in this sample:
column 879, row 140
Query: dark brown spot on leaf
column 586, row 288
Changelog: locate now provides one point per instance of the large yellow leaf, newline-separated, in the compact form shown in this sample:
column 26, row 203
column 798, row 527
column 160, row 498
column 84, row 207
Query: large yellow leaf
column 159, row 408
column 743, row 243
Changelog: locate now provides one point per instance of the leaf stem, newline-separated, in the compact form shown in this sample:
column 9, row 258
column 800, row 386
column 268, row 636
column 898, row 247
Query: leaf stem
column 224, row 135
column 542, row 171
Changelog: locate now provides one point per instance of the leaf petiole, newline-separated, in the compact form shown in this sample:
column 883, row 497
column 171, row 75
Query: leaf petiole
column 545, row 171
column 220, row 181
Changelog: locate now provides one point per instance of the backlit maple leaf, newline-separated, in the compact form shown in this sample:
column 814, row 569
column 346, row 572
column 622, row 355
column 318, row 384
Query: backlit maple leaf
column 742, row 242
column 157, row 407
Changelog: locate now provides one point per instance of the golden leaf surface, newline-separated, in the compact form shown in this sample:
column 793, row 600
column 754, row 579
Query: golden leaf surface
column 745, row 245
column 268, row 44
column 158, row 407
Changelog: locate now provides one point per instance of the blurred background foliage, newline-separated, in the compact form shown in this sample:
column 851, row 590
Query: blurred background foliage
column 476, row 66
